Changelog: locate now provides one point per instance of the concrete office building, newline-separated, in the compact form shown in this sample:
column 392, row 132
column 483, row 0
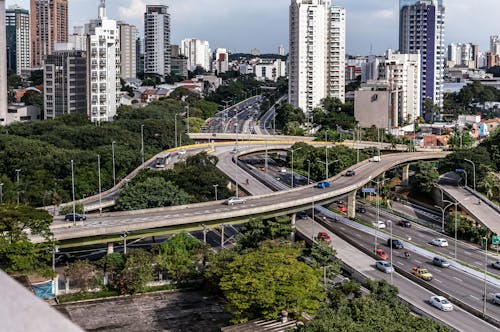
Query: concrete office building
column 281, row 50
column 3, row 66
column 270, row 70
column 393, row 99
column 18, row 39
column 103, row 67
column 128, row 61
column 78, row 39
column 421, row 30
column 157, row 40
column 316, row 53
column 495, row 45
column 65, row 83
column 197, row 52
column 49, row 25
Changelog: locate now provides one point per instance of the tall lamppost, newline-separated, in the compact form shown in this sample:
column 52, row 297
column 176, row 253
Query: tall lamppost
column 308, row 171
column 293, row 174
column 187, row 119
column 215, row 187
column 99, row 175
column 443, row 210
column 142, row 144
column 114, row 168
column 485, row 267
column 17, row 171
column 124, row 237
column 236, row 130
column 73, row 189
column 474, row 171
column 456, row 223
column 461, row 170
column 392, row 271
column 378, row 209
column 175, row 128
column 1, row 193
column 327, row 167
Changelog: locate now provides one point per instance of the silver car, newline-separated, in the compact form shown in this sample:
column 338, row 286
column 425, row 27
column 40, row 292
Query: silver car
column 496, row 298
column 441, row 262
column 235, row 200
column 384, row 266
column 496, row 265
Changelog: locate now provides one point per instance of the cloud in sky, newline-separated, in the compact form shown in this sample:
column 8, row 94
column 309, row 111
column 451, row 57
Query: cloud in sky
column 241, row 25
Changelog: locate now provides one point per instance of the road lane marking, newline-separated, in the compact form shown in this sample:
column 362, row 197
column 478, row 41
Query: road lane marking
column 475, row 298
column 438, row 280
column 458, row 279
column 418, row 262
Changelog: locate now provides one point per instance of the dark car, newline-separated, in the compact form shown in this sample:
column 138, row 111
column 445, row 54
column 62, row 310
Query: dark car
column 396, row 244
column 74, row 217
column 350, row 173
column 404, row 223
column 360, row 209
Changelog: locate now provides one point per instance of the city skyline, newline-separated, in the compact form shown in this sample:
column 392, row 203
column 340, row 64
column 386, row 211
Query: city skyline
column 191, row 19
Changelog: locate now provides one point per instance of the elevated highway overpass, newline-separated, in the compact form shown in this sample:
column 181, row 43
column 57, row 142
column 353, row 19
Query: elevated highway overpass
column 108, row 227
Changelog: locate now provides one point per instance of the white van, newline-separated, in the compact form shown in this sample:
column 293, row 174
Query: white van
column 376, row 159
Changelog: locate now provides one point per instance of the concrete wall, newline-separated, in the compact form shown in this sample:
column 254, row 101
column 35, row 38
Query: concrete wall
column 371, row 108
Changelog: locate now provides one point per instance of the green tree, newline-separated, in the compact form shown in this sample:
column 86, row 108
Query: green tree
column 18, row 255
column 153, row 192
column 296, row 287
column 138, row 271
column 14, row 81
column 180, row 256
column 425, row 177
column 36, row 77
column 257, row 230
column 82, row 274
column 286, row 114
column 461, row 140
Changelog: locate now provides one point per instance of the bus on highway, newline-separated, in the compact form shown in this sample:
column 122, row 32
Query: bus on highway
column 162, row 160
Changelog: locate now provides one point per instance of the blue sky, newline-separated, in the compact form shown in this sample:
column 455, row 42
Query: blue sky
column 240, row 25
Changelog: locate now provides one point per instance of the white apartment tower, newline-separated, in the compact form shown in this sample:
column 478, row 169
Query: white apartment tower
column 198, row 53
column 128, row 38
column 316, row 53
column 157, row 40
column 103, row 67
column 3, row 66
column 402, row 73
column 421, row 30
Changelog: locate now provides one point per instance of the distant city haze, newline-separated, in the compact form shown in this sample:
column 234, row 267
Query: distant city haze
column 241, row 25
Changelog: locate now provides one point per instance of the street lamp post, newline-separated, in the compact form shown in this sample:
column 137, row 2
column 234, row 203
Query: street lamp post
column 124, row 237
column 308, row 171
column 461, row 170
column 187, row 120
column 99, row 175
column 443, row 210
column 456, row 226
column 378, row 209
column 17, row 171
column 142, row 144
column 474, row 171
column 114, row 168
column 485, row 268
column 1, row 193
column 327, row 166
column 215, row 187
column 293, row 174
column 236, row 130
column 175, row 128
column 73, row 189
column 392, row 271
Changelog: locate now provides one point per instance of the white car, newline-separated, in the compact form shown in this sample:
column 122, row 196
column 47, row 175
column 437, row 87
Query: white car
column 235, row 200
column 440, row 242
column 496, row 298
column 384, row 266
column 441, row 303
column 378, row 224
column 181, row 152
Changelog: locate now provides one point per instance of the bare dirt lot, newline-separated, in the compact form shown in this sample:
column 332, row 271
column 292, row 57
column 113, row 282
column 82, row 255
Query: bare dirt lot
column 177, row 311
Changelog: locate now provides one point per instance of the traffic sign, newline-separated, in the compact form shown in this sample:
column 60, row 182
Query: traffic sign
column 368, row 190
column 496, row 239
column 459, row 170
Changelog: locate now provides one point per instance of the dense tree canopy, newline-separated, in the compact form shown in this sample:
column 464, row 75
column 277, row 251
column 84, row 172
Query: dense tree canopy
column 426, row 176
column 246, row 284
column 18, row 255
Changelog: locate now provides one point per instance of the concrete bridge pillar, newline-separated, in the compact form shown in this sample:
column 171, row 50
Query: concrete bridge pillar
column 405, row 181
column 294, row 219
column 351, row 204
column 111, row 248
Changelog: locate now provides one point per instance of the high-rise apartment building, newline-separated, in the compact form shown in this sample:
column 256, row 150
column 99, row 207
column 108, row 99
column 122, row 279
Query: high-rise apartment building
column 65, row 83
column 221, row 61
column 157, row 40
column 78, row 39
column 421, row 30
column 103, row 66
column 3, row 66
column 463, row 55
column 128, row 39
column 316, row 54
column 49, row 25
column 198, row 53
column 495, row 45
column 281, row 50
column 18, row 39
column 179, row 62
